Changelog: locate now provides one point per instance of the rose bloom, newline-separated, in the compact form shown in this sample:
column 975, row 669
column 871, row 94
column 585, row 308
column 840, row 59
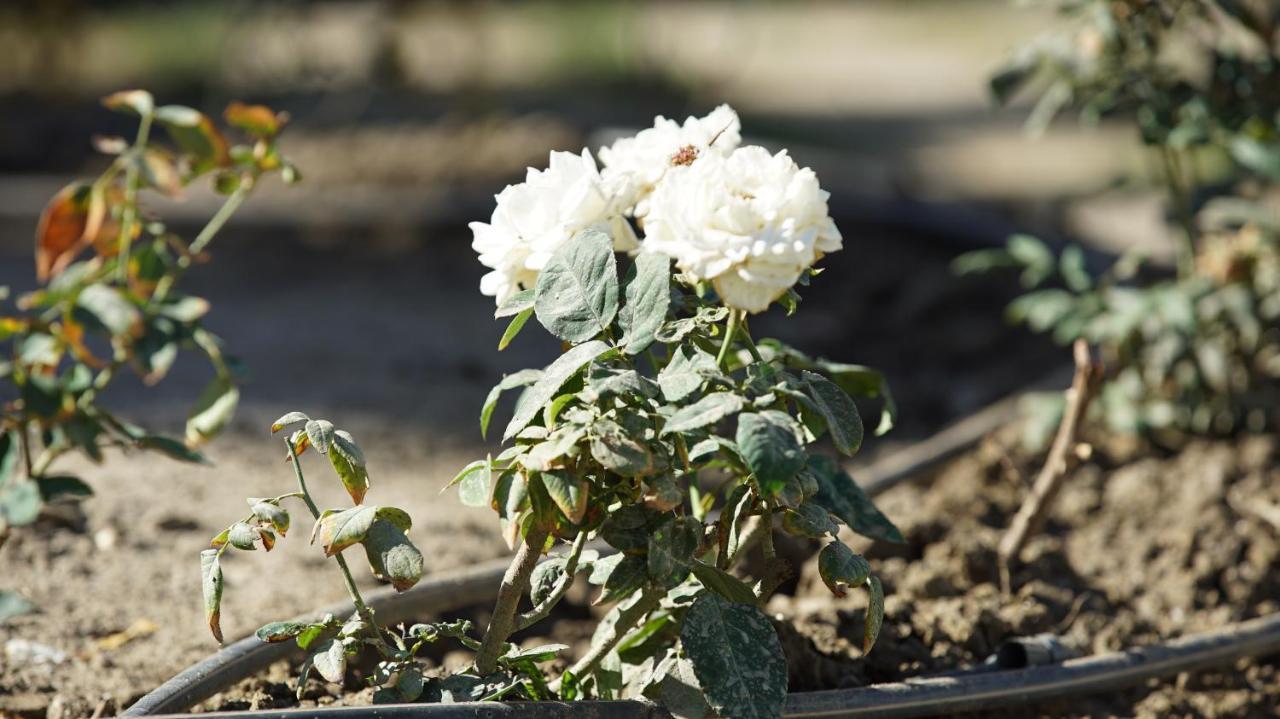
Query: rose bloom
column 532, row 219
column 632, row 166
column 749, row 223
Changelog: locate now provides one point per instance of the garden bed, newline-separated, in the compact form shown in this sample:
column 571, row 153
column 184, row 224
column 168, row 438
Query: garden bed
column 1141, row 547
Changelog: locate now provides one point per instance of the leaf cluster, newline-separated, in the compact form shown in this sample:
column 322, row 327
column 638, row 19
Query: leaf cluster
column 119, row 309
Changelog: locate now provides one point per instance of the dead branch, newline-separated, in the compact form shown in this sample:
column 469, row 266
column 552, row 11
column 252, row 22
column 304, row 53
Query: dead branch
column 1061, row 459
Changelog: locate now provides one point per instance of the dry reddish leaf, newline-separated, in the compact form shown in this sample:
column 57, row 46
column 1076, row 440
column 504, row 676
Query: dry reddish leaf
column 60, row 234
column 257, row 120
column 78, row 216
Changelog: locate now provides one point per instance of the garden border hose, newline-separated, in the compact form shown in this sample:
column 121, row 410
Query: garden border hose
column 455, row 590
column 911, row 698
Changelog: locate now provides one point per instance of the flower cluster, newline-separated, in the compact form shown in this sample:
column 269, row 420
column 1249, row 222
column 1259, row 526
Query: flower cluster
column 745, row 220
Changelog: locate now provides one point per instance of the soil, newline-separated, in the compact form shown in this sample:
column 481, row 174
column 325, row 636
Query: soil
column 1139, row 548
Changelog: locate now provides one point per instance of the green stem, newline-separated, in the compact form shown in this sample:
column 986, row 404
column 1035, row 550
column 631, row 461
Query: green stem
column 1186, row 251
column 207, row 233
column 363, row 609
column 129, row 217
column 751, row 344
column 627, row 620
column 730, row 329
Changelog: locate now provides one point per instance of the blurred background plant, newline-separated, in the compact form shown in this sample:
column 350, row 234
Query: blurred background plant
column 1193, row 349
column 120, row 308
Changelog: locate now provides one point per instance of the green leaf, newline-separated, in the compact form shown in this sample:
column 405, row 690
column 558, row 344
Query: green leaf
column 172, row 448
column 61, row 486
column 620, row 451
column 648, row 296
column 211, row 586
column 577, row 291
column 511, row 381
column 707, row 411
column 723, row 583
column 514, row 328
column 272, row 514
column 674, row 687
column 840, row 568
column 548, row 385
column 213, row 410
column 837, row 410
column 19, row 503
column 810, row 519
column 348, row 463
column 685, row 373
column 279, row 631
column 736, row 657
column 671, row 548
column 770, row 446
column 473, row 491
column 330, row 660
column 288, row 419
column 339, row 530
column 626, row 529
column 544, row 579
column 242, row 535
column 568, row 491
column 842, row 496
column 629, row 575
column 320, row 433
column 111, row 308
column 1037, row 261
column 13, row 605
column 875, row 614
column 515, row 304
column 392, row 557
column 196, row 135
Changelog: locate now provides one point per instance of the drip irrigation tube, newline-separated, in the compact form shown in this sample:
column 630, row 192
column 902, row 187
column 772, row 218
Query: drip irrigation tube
column 912, row 698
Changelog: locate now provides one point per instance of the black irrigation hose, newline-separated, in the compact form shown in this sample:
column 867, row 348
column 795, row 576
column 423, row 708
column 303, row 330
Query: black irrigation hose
column 912, row 698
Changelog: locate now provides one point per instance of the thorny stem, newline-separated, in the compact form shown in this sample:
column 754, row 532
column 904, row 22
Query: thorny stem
column 627, row 620
column 1182, row 208
column 514, row 584
column 130, row 215
column 543, row 609
column 361, row 608
column 730, row 329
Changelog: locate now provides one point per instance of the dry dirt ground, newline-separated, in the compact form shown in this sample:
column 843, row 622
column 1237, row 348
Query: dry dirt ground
column 1140, row 547
column 398, row 348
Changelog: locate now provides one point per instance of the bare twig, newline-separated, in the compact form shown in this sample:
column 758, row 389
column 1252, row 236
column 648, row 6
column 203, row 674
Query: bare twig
column 1060, row 460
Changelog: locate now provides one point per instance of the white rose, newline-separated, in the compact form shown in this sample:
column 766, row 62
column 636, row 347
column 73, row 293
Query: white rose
column 632, row 166
column 749, row 223
column 532, row 219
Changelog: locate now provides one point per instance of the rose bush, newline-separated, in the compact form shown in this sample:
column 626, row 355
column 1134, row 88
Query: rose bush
column 663, row 430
